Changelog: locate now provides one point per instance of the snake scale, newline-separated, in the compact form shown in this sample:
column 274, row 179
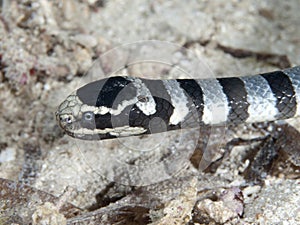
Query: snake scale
column 125, row 106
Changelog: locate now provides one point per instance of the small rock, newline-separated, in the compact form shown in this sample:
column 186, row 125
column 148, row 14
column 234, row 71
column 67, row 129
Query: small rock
column 85, row 40
column 48, row 214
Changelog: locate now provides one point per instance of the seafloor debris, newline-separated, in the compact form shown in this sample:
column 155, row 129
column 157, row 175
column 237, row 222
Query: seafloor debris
column 19, row 202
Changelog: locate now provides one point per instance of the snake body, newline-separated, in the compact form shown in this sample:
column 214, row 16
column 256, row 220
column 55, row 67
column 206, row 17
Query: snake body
column 126, row 106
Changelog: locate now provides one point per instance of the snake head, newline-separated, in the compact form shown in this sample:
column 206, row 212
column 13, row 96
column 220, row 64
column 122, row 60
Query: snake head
column 77, row 119
column 67, row 114
column 103, row 110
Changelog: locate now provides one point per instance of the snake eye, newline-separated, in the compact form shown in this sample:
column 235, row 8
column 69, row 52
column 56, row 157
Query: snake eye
column 88, row 116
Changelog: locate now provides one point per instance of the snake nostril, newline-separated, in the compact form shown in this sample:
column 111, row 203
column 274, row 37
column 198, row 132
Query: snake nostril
column 68, row 120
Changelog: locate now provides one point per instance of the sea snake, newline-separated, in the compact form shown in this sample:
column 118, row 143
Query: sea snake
column 123, row 106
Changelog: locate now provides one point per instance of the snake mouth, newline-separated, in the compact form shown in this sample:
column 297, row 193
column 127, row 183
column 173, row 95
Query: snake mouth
column 89, row 137
column 72, row 127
